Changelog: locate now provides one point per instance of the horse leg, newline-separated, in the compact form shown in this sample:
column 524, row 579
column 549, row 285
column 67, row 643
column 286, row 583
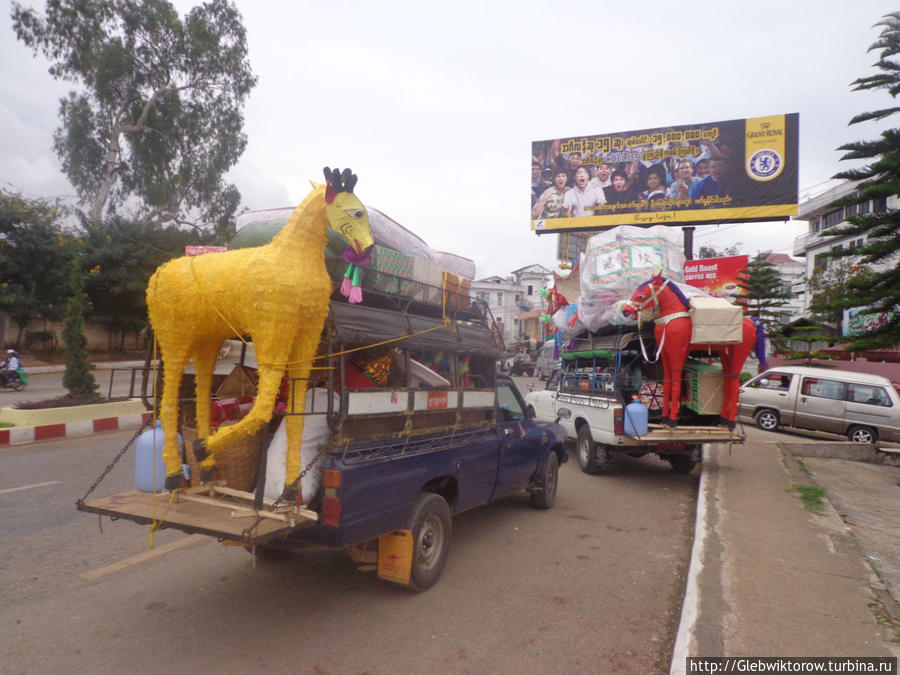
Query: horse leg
column 302, row 356
column 204, row 356
column 173, row 369
column 266, row 392
column 733, row 359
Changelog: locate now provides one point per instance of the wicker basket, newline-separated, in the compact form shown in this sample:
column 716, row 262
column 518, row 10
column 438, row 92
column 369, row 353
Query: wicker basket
column 238, row 464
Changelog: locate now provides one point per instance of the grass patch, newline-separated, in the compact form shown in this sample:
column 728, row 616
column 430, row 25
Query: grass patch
column 803, row 466
column 812, row 496
column 4, row 425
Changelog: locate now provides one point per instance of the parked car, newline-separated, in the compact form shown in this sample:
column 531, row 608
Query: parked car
column 861, row 406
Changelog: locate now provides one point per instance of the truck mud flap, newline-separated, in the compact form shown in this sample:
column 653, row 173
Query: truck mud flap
column 213, row 511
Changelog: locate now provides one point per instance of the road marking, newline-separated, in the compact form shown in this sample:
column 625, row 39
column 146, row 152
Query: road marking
column 30, row 487
column 143, row 557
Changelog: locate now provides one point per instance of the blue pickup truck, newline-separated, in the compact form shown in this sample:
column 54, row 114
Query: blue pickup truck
column 420, row 426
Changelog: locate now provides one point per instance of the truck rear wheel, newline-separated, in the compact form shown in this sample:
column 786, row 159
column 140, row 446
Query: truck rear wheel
column 592, row 457
column 545, row 498
column 429, row 522
column 587, row 450
column 681, row 464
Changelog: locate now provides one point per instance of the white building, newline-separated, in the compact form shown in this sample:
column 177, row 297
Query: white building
column 820, row 216
column 510, row 297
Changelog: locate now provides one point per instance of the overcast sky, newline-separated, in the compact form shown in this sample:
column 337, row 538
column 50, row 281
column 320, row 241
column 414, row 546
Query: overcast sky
column 435, row 105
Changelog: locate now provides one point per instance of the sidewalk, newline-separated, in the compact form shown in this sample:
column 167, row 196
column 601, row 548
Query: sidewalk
column 768, row 577
column 74, row 421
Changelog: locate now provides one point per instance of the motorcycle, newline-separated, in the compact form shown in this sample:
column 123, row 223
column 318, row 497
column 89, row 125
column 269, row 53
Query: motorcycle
column 17, row 382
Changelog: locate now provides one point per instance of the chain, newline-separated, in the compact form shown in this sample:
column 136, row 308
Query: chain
column 322, row 450
column 109, row 467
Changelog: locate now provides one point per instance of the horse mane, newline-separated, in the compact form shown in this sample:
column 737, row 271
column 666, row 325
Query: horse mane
column 678, row 294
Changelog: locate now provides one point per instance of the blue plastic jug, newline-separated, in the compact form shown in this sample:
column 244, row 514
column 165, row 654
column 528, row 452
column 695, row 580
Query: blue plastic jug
column 149, row 449
column 636, row 418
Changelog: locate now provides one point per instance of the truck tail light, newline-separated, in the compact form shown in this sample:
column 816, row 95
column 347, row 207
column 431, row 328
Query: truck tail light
column 331, row 511
column 331, row 499
column 619, row 422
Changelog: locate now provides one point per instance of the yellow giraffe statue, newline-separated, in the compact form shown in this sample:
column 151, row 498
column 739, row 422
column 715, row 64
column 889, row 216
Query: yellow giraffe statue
column 278, row 294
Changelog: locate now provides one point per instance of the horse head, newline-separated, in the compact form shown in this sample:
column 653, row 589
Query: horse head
column 645, row 297
column 346, row 214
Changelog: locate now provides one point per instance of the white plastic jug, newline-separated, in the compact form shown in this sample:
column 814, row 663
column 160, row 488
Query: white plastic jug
column 149, row 449
column 636, row 417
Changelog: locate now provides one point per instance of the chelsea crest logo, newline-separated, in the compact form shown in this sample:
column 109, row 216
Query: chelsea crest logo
column 764, row 164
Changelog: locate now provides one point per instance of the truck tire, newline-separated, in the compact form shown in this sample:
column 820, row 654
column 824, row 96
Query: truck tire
column 681, row 464
column 586, row 450
column 549, row 482
column 767, row 419
column 429, row 522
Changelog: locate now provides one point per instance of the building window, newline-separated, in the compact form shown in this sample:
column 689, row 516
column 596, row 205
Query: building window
column 864, row 208
column 832, row 218
column 819, row 263
column 816, row 225
column 530, row 290
column 856, row 243
column 518, row 298
column 850, row 209
column 879, row 205
column 499, row 299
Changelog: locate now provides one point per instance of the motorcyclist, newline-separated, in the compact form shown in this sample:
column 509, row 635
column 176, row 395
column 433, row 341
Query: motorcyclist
column 12, row 364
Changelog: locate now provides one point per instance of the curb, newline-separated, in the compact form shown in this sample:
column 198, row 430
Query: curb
column 103, row 365
column 690, row 604
column 24, row 435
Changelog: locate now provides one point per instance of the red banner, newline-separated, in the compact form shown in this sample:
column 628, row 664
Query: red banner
column 718, row 277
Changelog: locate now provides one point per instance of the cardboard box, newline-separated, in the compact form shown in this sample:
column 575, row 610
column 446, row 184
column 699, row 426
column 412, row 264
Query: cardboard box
column 716, row 321
column 391, row 268
column 456, row 291
column 705, row 387
column 241, row 381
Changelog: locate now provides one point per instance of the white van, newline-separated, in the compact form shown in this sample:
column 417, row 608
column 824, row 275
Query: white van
column 863, row 407
column 545, row 363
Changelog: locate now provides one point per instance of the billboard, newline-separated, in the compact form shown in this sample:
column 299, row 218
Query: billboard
column 719, row 277
column 731, row 171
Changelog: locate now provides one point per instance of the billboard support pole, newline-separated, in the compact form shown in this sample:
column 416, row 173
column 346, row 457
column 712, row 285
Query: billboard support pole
column 688, row 242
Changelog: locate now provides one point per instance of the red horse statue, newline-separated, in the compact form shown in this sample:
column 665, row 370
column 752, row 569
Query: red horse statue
column 673, row 335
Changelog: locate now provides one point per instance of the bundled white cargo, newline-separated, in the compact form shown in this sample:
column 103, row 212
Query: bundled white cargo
column 618, row 260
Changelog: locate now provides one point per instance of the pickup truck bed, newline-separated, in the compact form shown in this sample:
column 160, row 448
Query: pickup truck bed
column 231, row 517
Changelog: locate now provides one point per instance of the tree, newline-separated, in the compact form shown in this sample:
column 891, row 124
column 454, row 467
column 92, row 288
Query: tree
column 158, row 118
column 878, row 180
column 764, row 292
column 828, row 289
column 120, row 256
column 34, row 256
column 77, row 377
column 713, row 252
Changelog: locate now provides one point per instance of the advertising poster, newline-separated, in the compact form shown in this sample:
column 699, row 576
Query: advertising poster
column 856, row 322
column 718, row 277
column 731, row 171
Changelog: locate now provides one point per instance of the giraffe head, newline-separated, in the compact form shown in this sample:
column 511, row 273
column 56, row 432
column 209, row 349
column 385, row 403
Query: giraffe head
column 345, row 213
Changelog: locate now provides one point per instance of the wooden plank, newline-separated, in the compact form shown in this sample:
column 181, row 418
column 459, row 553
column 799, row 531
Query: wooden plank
column 189, row 517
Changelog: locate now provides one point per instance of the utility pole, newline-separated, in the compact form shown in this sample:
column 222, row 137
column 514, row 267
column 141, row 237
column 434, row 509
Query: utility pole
column 688, row 242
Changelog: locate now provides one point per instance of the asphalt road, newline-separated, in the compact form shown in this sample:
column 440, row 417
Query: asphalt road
column 592, row 585
column 43, row 386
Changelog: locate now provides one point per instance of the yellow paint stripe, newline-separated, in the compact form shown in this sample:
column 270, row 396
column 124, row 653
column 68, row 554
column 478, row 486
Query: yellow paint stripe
column 143, row 557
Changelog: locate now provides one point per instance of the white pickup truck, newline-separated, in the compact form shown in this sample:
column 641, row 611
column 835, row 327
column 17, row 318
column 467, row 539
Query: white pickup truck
column 600, row 374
